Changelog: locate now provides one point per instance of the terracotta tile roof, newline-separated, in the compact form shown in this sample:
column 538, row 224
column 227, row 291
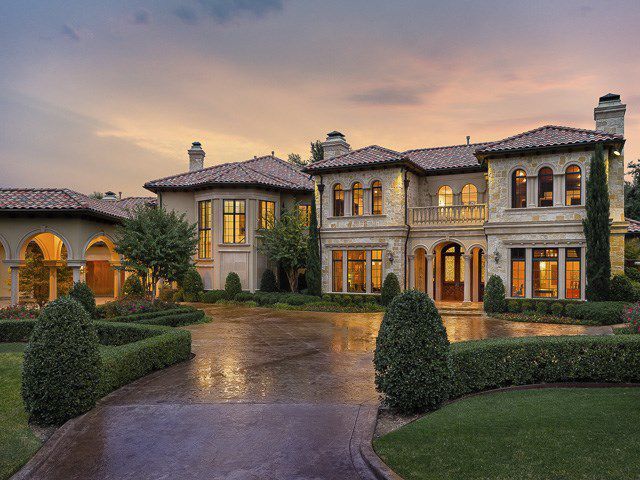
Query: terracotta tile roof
column 371, row 155
column 634, row 225
column 446, row 158
column 549, row 136
column 61, row 200
column 129, row 203
column 267, row 171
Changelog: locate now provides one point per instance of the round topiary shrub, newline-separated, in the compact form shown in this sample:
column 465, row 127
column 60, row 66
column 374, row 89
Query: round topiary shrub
column 85, row 297
column 192, row 285
column 494, row 295
column 622, row 289
column 61, row 370
column 268, row 282
column 413, row 369
column 133, row 287
column 232, row 285
column 390, row 289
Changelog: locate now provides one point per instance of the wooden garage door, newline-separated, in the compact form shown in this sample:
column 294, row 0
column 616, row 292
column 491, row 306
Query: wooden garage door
column 100, row 277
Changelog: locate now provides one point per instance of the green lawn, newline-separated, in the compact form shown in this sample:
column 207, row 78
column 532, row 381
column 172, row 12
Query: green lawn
column 536, row 434
column 17, row 441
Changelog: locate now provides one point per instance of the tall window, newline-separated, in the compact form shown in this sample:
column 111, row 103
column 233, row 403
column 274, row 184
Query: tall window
column 305, row 213
column 572, row 273
column 357, row 203
column 233, row 223
column 338, row 201
column 376, row 198
column 376, row 271
column 545, row 187
column 266, row 214
column 336, row 270
column 204, row 229
column 356, row 271
column 545, row 272
column 519, row 189
column 445, row 196
column 573, row 185
column 469, row 194
column 518, row 272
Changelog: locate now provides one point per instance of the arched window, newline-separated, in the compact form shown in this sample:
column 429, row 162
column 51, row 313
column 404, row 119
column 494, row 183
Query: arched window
column 445, row 196
column 519, row 189
column 469, row 194
column 338, row 201
column 357, row 200
column 545, row 187
column 376, row 198
column 573, row 185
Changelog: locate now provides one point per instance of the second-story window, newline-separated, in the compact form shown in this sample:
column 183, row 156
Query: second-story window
column 233, row 223
column 357, row 203
column 305, row 214
column 573, row 185
column 545, row 187
column 445, row 196
column 519, row 189
column 469, row 194
column 204, row 229
column 266, row 214
column 338, row 201
column 376, row 198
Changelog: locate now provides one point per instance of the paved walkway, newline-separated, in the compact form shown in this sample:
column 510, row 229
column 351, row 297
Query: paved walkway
column 269, row 395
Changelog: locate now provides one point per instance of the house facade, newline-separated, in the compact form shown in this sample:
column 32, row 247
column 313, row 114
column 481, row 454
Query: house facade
column 443, row 219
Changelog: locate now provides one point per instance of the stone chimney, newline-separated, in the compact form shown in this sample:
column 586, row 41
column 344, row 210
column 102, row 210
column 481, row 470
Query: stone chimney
column 609, row 114
column 196, row 157
column 110, row 196
column 335, row 145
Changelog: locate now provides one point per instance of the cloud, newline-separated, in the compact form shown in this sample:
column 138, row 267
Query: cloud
column 391, row 96
column 226, row 10
column 70, row 33
column 141, row 17
column 186, row 14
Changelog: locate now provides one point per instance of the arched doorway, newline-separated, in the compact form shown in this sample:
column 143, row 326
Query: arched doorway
column 451, row 278
column 101, row 274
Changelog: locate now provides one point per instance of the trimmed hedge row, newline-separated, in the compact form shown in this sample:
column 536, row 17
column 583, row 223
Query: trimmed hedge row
column 494, row 363
column 596, row 313
column 137, row 317
column 16, row 330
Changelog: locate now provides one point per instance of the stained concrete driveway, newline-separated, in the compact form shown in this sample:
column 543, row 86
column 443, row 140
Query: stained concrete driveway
column 269, row 395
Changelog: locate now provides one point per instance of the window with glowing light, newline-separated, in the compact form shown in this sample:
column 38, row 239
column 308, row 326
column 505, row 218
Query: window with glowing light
column 338, row 201
column 545, row 187
column 376, row 271
column 573, row 185
column 356, row 271
column 445, row 196
column 518, row 267
column 545, row 272
column 469, row 194
column 204, row 229
column 376, row 198
column 266, row 214
column 336, row 270
column 357, row 196
column 233, row 221
column 305, row 214
column 519, row 189
column 573, row 274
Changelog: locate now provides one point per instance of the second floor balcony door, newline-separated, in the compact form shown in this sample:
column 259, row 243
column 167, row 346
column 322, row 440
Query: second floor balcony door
column 452, row 273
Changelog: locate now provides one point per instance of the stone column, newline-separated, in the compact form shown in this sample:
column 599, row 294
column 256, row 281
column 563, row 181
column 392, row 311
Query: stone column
column 347, row 203
column 562, row 281
column 367, row 271
column 467, row 277
column 15, row 284
column 117, row 287
column 53, row 283
column 367, row 198
column 532, row 191
column 411, row 260
column 429, row 274
column 345, row 263
column 528, row 274
column 76, row 273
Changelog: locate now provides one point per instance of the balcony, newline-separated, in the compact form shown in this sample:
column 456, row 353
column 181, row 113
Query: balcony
column 451, row 214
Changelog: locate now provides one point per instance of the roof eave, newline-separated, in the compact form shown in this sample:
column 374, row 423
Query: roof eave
column 480, row 155
column 403, row 162
column 205, row 185
column 67, row 211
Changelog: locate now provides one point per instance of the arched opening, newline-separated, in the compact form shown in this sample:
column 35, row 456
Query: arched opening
column 519, row 189
column 445, row 196
column 5, row 274
column 357, row 199
column 573, row 185
column 338, row 201
column 101, row 272
column 450, row 281
column 545, row 187
column 376, row 198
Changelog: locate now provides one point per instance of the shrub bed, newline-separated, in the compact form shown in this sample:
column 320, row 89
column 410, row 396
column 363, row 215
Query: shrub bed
column 16, row 330
column 19, row 312
column 494, row 363
column 589, row 313
column 131, row 306
column 148, row 315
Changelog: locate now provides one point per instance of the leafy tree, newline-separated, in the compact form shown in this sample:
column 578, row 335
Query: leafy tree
column 296, row 159
column 96, row 195
column 286, row 244
column 156, row 244
column 632, row 192
column 597, row 229
column 34, row 276
column 317, row 152
column 313, row 273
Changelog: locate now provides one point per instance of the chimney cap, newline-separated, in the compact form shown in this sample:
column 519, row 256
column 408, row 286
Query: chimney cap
column 334, row 134
column 196, row 144
column 609, row 97
column 109, row 195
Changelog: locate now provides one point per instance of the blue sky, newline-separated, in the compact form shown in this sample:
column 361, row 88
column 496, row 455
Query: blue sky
column 106, row 95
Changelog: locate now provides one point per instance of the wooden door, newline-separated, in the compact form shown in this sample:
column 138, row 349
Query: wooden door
column 100, row 277
column 452, row 273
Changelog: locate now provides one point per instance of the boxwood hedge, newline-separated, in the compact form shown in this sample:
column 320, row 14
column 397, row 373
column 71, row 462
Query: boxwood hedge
column 494, row 363
column 595, row 313
column 163, row 317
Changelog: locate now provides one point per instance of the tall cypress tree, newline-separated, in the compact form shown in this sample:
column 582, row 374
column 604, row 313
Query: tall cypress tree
column 597, row 229
column 313, row 273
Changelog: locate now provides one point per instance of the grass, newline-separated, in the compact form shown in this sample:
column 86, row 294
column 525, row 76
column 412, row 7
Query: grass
column 17, row 441
column 567, row 434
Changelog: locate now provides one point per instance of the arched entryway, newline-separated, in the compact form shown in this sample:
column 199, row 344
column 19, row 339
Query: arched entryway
column 450, row 280
column 101, row 267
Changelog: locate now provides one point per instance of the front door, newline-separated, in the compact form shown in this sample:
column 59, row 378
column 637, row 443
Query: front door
column 452, row 273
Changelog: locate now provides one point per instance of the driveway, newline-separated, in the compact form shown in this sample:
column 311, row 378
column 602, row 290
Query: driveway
column 269, row 395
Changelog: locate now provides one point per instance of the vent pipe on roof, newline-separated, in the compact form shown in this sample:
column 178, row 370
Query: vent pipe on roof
column 196, row 157
column 468, row 139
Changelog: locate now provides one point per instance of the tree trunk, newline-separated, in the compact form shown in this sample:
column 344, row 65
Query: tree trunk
column 292, row 276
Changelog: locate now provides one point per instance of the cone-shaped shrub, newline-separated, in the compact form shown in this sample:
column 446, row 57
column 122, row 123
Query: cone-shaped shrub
column 390, row 289
column 268, row 282
column 133, row 287
column 232, row 285
column 61, row 368
column 494, row 296
column 413, row 369
column 85, row 297
column 192, row 285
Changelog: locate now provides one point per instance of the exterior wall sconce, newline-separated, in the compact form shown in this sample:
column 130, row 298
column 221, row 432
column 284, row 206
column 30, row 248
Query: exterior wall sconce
column 616, row 153
column 390, row 257
column 496, row 256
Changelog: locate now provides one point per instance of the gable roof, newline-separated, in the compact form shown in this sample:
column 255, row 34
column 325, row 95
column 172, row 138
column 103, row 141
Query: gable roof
column 268, row 171
column 549, row 136
column 371, row 155
column 66, row 200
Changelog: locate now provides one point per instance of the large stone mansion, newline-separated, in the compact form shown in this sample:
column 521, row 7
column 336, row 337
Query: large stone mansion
column 442, row 219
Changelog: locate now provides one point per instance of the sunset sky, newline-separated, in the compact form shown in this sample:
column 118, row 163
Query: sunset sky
column 107, row 95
